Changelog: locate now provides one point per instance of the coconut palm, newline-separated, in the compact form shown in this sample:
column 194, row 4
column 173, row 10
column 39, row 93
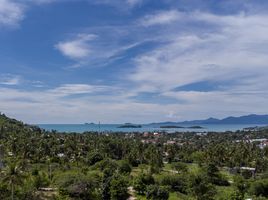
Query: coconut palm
column 13, row 175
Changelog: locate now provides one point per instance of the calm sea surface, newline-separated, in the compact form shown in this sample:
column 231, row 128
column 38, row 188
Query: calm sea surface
column 80, row 128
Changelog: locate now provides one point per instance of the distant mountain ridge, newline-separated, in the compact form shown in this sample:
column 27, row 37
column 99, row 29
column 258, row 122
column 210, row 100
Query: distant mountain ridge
column 248, row 119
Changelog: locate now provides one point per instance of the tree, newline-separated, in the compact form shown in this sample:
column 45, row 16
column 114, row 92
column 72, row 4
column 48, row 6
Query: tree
column 201, row 188
column 106, row 184
column 240, row 185
column 154, row 158
column 13, row 176
column 175, row 182
column 142, row 181
column 79, row 186
column 124, row 167
column 119, row 188
column 214, row 175
column 94, row 158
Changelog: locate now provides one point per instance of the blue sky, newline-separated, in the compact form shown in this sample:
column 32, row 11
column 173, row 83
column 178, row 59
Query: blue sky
column 116, row 61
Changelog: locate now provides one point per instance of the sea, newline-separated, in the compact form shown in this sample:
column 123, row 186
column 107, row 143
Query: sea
column 80, row 128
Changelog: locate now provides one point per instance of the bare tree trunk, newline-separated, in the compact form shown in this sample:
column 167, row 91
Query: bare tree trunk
column 12, row 191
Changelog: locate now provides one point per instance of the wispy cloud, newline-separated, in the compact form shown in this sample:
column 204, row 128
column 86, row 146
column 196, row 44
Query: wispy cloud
column 121, row 4
column 133, row 3
column 100, row 47
column 234, row 46
column 160, row 18
column 9, row 79
column 72, row 89
column 161, row 51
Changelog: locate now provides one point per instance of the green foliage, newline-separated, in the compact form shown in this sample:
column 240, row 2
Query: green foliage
column 40, row 179
column 124, row 167
column 214, row 175
column 107, row 164
column 94, row 157
column 156, row 192
column 4, row 191
column 240, row 184
column 77, row 185
column 179, row 166
column 176, row 183
column 201, row 188
column 259, row 188
column 119, row 188
column 142, row 181
column 154, row 157
column 86, row 166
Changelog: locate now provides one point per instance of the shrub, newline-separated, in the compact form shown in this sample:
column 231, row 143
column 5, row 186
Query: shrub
column 259, row 188
column 201, row 188
column 79, row 186
column 141, row 181
column 124, row 167
column 179, row 166
column 177, row 183
column 119, row 188
column 93, row 158
column 156, row 192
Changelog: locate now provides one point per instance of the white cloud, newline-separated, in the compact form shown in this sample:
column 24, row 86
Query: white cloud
column 76, row 48
column 210, row 47
column 11, row 12
column 100, row 49
column 47, row 106
column 161, row 17
column 232, row 47
column 70, row 89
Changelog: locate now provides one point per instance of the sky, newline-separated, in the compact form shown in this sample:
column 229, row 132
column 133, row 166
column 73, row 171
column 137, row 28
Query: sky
column 117, row 61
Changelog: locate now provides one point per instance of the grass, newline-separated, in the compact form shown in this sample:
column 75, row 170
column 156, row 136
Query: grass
column 222, row 191
column 193, row 168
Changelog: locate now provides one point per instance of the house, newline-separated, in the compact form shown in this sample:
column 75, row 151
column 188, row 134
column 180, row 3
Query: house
column 238, row 170
column 201, row 134
column 263, row 144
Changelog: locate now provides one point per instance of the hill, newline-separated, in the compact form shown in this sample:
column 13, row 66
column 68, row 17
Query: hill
column 248, row 119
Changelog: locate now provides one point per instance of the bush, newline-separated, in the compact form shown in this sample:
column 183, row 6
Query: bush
column 259, row 188
column 177, row 183
column 236, row 195
column 119, row 188
column 179, row 166
column 40, row 179
column 79, row 186
column 240, row 184
column 214, row 175
column 142, row 181
column 124, row 167
column 93, row 158
column 156, row 192
column 201, row 188
column 107, row 164
column 4, row 192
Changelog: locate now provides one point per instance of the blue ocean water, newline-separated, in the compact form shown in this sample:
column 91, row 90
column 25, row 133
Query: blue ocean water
column 80, row 128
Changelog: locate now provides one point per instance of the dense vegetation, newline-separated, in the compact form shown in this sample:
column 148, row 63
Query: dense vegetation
column 37, row 164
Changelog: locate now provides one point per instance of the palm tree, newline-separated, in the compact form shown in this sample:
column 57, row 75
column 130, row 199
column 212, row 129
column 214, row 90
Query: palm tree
column 13, row 176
